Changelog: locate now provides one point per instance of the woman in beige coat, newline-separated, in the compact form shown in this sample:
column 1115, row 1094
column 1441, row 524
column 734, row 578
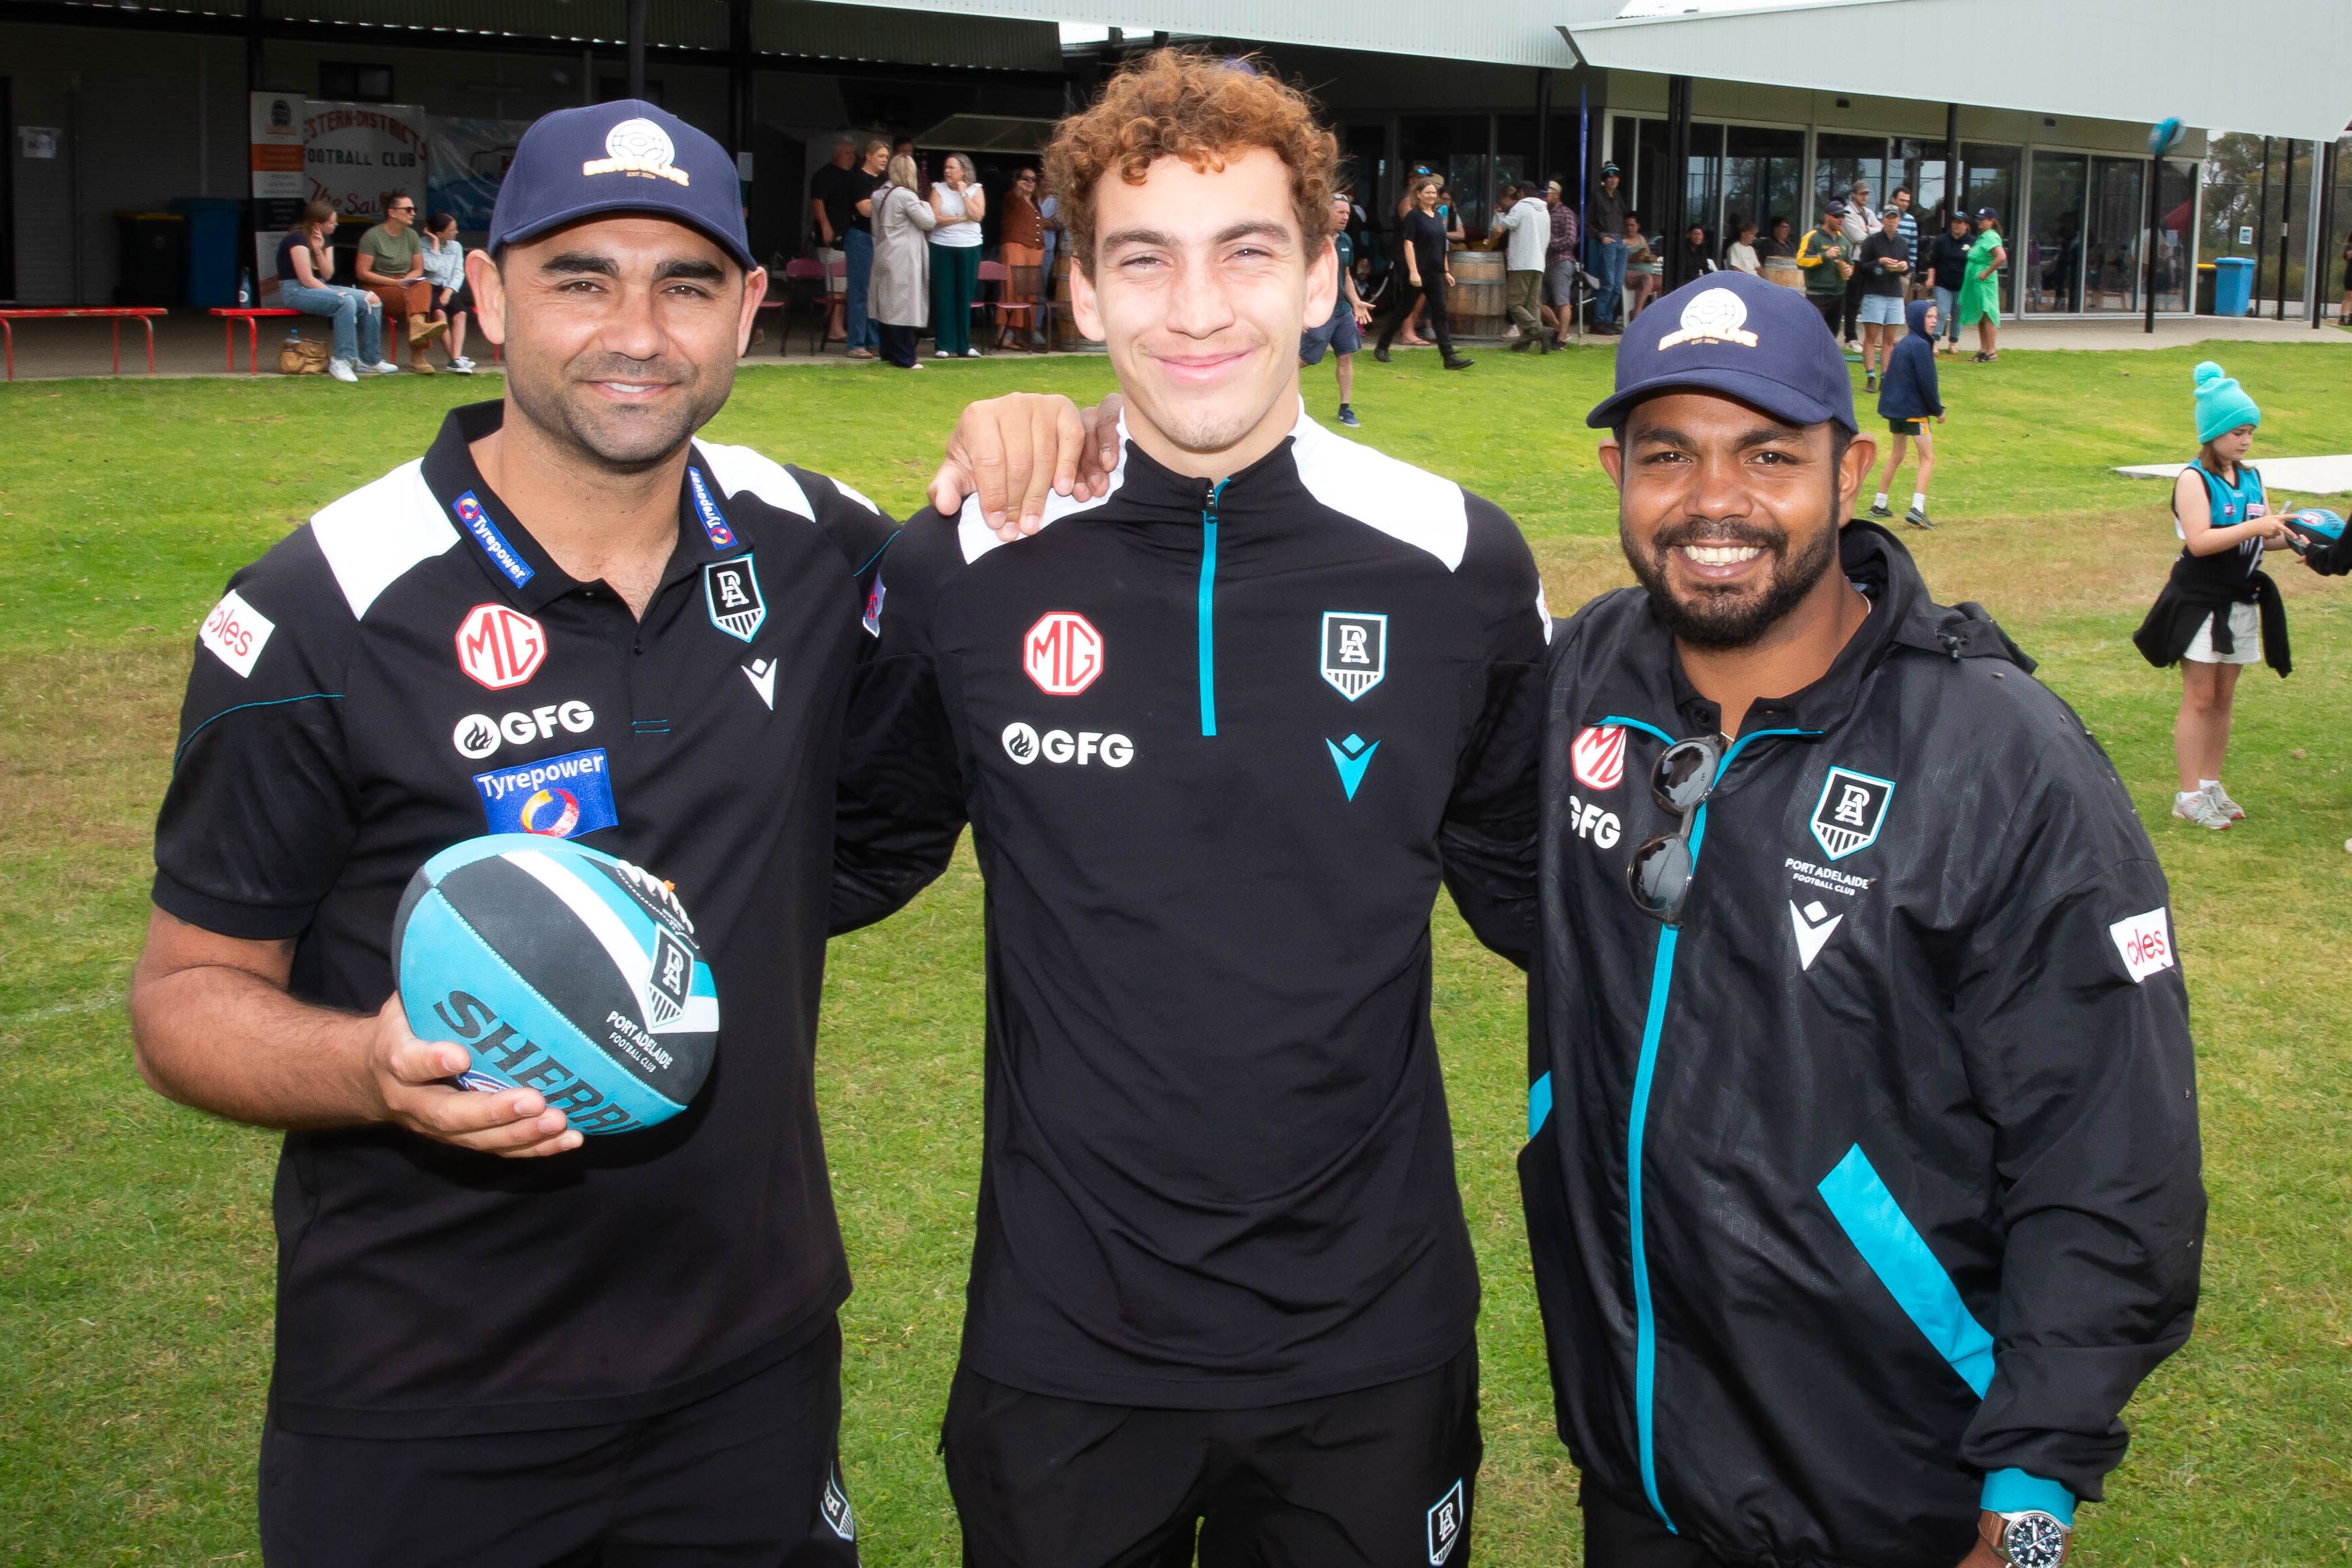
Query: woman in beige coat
column 902, row 275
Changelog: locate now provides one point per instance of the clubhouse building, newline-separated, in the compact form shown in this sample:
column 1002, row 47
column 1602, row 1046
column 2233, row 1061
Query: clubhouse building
column 1716, row 111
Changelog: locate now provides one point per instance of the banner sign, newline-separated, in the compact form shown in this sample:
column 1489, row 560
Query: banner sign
column 356, row 154
column 469, row 160
column 352, row 155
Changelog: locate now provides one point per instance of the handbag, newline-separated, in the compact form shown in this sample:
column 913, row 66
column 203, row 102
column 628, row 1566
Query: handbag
column 302, row 356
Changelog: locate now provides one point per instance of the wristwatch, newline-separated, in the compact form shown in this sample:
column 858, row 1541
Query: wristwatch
column 2030, row 1539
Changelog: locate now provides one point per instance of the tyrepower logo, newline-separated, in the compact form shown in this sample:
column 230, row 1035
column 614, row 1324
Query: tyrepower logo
column 501, row 648
column 1063, row 653
column 1596, row 756
column 2145, row 943
column 1025, row 745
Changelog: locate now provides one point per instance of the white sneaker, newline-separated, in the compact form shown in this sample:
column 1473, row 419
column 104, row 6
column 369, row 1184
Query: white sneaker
column 341, row 369
column 943, row 354
column 2229, row 808
column 916, row 366
column 380, row 367
column 2200, row 809
column 971, row 354
column 461, row 365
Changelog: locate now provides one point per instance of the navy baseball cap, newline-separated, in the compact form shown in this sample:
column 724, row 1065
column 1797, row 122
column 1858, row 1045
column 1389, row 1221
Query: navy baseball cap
column 1988, row 215
column 628, row 156
column 1734, row 333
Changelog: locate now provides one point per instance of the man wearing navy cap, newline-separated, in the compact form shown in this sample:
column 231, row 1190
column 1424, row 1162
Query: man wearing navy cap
column 497, row 1342
column 1605, row 222
column 1862, row 1172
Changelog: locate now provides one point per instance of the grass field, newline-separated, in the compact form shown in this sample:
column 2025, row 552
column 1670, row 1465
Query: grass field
column 135, row 1252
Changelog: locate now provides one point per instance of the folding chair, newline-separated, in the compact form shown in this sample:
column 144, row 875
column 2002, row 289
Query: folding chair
column 803, row 291
column 1017, row 278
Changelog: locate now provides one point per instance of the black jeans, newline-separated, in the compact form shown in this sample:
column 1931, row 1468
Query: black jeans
column 897, row 344
column 1832, row 310
column 1434, row 316
column 1854, row 288
column 1616, row 1536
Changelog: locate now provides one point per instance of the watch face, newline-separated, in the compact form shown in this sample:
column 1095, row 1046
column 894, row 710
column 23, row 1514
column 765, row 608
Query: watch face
column 2034, row 1540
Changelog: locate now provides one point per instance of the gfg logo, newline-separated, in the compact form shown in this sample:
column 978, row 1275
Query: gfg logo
column 478, row 735
column 1593, row 822
column 1025, row 745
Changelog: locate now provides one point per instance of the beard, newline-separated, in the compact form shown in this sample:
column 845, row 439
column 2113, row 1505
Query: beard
column 617, row 440
column 1730, row 616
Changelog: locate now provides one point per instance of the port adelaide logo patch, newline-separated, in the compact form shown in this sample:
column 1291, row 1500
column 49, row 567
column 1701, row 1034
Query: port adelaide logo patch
column 1852, row 808
column 1355, row 651
column 731, row 589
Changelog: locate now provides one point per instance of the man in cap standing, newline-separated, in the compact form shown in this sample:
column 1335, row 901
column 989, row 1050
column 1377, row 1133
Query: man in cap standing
column 1861, row 1175
column 497, row 1342
column 1606, row 218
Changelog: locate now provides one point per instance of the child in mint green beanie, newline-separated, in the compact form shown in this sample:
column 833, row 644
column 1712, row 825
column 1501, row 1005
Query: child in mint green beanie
column 2219, row 611
column 2222, row 404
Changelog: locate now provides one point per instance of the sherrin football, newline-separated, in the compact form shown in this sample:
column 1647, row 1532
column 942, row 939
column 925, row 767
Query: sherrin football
column 561, row 969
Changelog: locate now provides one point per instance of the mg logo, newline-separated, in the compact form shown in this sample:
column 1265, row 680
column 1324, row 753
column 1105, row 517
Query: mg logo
column 498, row 647
column 1063, row 653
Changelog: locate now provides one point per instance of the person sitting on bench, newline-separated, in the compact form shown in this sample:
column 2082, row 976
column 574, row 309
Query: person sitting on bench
column 392, row 265
column 449, row 300
column 306, row 264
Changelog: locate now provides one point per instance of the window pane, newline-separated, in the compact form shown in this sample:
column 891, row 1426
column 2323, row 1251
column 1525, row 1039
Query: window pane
column 1761, row 174
column 1988, row 179
column 2112, row 253
column 2053, row 251
column 1840, row 159
column 2176, row 205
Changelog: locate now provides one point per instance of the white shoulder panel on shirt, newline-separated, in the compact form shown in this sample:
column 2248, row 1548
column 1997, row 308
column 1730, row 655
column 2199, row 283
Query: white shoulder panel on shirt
column 1376, row 490
column 377, row 533
column 739, row 469
column 977, row 539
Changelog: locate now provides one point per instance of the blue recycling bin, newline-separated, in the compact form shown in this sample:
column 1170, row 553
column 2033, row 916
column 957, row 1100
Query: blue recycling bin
column 2233, row 285
column 214, row 224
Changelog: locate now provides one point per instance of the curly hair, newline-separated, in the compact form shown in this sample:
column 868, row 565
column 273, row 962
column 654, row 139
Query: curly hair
column 1172, row 103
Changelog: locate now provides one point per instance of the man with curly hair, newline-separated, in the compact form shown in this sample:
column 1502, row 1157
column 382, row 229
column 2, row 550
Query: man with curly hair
column 1221, row 728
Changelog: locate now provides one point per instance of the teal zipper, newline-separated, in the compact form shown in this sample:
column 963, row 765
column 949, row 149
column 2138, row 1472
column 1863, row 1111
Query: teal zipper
column 1645, row 1326
column 1208, row 629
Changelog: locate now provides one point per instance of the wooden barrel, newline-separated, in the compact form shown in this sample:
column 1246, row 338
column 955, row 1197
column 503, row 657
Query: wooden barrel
column 1784, row 270
column 1475, row 302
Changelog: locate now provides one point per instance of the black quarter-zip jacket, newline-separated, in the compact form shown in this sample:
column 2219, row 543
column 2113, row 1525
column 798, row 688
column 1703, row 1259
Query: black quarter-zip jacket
column 1872, row 1191
column 410, row 670
column 1218, row 744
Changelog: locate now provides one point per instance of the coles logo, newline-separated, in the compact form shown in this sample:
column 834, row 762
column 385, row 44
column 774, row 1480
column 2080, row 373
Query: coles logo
column 1596, row 756
column 501, row 648
column 237, row 632
column 1063, row 653
column 2144, row 943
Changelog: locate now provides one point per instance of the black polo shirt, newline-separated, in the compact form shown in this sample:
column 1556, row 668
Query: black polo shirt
column 410, row 670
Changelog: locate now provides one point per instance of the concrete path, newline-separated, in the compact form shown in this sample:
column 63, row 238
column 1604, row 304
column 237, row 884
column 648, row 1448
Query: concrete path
column 2301, row 476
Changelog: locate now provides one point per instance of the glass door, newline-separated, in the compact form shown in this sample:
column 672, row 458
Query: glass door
column 2112, row 255
column 2053, row 250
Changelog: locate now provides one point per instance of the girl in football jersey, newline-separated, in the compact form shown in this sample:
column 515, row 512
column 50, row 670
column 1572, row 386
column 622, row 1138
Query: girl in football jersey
column 2219, row 610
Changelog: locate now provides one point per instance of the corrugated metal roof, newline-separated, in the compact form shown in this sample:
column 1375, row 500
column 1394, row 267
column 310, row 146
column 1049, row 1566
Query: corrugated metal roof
column 803, row 28
column 1501, row 32
column 2132, row 61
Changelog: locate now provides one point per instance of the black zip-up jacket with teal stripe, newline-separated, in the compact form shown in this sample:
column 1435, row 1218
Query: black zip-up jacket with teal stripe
column 1218, row 744
column 1872, row 1191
